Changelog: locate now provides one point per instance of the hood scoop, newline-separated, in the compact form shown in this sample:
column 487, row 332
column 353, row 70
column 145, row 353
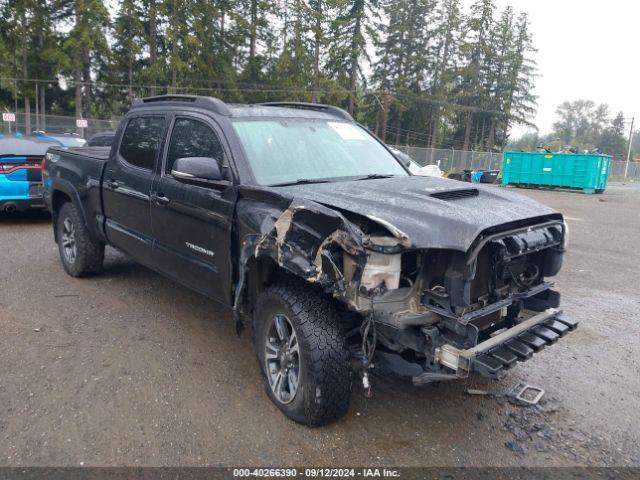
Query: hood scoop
column 455, row 194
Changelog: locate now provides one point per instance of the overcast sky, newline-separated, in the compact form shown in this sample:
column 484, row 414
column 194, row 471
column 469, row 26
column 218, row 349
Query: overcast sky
column 586, row 49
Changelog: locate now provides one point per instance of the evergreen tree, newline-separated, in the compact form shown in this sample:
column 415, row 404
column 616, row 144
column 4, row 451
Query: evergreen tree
column 255, row 24
column 477, row 53
column 318, row 12
column 404, row 53
column 129, row 37
column 211, row 51
column 153, row 70
column 438, row 78
column 519, row 100
column 295, row 65
column 177, row 37
column 351, row 30
column 86, row 48
column 28, row 50
column 498, row 86
column 447, row 35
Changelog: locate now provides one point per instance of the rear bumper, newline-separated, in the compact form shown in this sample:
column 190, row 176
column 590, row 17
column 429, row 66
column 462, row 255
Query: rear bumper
column 501, row 352
column 17, row 196
column 9, row 206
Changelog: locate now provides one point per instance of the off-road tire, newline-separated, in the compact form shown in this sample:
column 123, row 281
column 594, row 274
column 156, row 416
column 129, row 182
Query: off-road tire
column 324, row 389
column 89, row 253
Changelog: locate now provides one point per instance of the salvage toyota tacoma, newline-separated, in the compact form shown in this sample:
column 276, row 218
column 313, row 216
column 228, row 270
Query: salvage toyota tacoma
column 308, row 228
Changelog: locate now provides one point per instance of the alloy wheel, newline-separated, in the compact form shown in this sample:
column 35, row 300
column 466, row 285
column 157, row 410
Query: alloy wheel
column 68, row 239
column 282, row 358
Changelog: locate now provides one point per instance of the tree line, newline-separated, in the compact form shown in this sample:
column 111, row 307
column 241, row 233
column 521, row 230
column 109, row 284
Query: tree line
column 585, row 126
column 419, row 72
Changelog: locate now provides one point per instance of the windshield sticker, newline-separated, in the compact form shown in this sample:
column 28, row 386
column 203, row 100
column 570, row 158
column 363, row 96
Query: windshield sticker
column 347, row 131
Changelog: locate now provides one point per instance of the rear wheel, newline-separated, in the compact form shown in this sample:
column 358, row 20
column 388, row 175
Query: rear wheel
column 302, row 354
column 79, row 253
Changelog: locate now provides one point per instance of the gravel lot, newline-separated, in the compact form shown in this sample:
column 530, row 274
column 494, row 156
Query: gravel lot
column 130, row 368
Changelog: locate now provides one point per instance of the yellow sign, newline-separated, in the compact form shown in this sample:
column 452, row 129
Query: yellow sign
column 548, row 156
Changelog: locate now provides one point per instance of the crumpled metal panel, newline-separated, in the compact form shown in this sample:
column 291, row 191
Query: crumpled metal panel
column 297, row 238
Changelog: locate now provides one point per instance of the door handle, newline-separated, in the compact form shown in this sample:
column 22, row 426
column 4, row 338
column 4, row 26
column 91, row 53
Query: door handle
column 112, row 184
column 160, row 199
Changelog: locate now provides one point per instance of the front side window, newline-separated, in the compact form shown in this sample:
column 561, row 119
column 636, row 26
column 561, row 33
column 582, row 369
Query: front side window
column 193, row 138
column 141, row 140
column 288, row 150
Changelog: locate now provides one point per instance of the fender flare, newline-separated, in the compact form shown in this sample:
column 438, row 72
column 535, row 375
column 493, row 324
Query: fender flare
column 66, row 187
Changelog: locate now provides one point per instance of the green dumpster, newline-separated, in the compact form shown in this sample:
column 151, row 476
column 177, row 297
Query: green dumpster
column 587, row 172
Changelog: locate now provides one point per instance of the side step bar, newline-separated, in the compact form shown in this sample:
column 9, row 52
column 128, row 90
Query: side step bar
column 497, row 354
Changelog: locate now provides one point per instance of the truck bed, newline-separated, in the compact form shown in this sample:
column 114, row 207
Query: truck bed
column 96, row 153
column 78, row 174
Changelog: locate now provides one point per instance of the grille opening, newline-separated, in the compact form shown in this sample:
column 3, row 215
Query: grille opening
column 456, row 194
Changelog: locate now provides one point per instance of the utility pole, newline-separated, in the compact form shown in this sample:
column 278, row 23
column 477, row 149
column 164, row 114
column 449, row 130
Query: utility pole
column 15, row 103
column 37, row 108
column 385, row 115
column 626, row 167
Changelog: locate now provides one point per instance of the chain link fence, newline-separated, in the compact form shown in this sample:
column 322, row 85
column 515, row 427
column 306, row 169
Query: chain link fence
column 451, row 160
column 618, row 168
column 57, row 124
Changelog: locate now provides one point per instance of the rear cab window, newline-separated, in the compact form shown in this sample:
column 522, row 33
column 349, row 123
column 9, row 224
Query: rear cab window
column 141, row 141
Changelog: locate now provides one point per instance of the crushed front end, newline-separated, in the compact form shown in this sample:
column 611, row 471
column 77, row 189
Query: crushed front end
column 442, row 314
column 433, row 281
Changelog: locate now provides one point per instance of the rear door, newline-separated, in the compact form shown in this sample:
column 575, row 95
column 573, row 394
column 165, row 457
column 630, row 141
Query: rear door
column 127, row 185
column 192, row 224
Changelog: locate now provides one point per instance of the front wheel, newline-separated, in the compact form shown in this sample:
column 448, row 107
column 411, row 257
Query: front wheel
column 302, row 354
column 79, row 253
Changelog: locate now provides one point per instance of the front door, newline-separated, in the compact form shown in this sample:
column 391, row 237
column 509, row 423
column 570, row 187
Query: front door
column 192, row 224
column 127, row 186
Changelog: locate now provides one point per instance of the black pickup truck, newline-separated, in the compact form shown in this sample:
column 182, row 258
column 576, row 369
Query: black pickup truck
column 307, row 227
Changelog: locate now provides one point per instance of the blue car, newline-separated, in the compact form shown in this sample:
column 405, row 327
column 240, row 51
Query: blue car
column 63, row 139
column 20, row 172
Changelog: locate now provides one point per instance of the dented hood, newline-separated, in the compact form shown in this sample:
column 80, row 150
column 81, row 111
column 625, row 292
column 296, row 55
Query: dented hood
column 452, row 221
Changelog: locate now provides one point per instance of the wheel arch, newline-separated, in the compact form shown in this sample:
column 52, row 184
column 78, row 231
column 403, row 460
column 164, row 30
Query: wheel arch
column 58, row 199
column 63, row 192
column 261, row 272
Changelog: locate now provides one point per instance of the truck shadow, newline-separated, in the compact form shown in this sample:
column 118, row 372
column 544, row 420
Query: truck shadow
column 29, row 217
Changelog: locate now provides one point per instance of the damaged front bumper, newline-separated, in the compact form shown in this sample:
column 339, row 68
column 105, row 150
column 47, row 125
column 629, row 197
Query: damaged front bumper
column 497, row 354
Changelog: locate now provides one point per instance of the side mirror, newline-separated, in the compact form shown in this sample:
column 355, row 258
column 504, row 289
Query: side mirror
column 203, row 171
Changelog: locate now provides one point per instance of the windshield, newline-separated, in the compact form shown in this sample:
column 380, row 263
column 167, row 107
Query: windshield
column 289, row 150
